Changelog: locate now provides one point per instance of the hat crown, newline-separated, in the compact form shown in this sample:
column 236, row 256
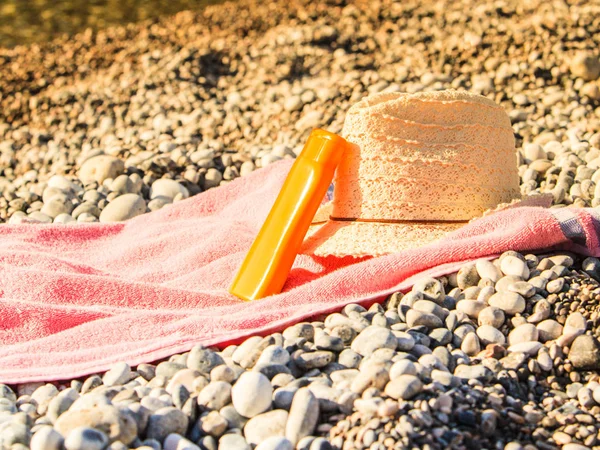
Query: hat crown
column 433, row 156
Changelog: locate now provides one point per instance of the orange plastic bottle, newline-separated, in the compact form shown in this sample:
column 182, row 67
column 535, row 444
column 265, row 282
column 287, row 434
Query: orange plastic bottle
column 271, row 256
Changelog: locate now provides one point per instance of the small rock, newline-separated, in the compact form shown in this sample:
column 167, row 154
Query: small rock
column 404, row 387
column 266, row 425
column 46, row 438
column 166, row 421
column 177, row 442
column 509, row 302
column 275, row 443
column 585, row 353
column 303, row 416
column 585, row 65
column 373, row 338
column 101, row 167
column 84, row 438
column 251, row 394
column 122, row 208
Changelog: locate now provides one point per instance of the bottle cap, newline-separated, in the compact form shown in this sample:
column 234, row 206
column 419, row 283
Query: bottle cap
column 324, row 147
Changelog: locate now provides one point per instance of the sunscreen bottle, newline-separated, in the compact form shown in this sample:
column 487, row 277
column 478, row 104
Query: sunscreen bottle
column 271, row 256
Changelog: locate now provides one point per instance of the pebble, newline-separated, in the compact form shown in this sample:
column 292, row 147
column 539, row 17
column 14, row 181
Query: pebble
column 266, row 425
column 404, row 387
column 166, row 421
column 303, row 416
column 275, row 443
column 100, row 168
column 46, row 438
column 585, row 353
column 120, row 373
column 511, row 265
column 175, row 441
column 168, row 189
column 251, row 394
column 373, row 338
column 233, row 442
column 84, row 438
column 509, row 302
column 122, row 208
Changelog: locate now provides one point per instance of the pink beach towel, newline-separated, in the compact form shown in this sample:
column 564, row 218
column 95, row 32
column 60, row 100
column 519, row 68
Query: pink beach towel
column 75, row 299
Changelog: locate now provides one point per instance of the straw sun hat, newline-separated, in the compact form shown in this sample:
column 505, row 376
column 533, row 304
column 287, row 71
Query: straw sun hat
column 423, row 165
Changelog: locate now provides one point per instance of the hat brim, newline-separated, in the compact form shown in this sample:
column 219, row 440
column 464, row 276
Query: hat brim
column 354, row 238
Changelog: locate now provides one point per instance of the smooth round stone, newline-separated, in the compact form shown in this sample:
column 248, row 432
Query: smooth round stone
column 405, row 341
column 485, row 294
column 61, row 403
column 101, row 167
column 62, row 183
column 545, row 361
column 252, row 393
column 470, row 344
column 122, row 208
column 491, row 316
column 40, row 217
column 522, row 288
column 415, row 318
column 350, row 359
column 404, row 387
column 274, row 354
column 58, row 204
column 465, row 372
column 427, row 306
column 123, row 185
column 440, row 336
column 523, row 333
column 275, row 443
column 212, row 178
column 303, row 416
column 233, row 442
column 166, row 421
column 490, row 335
column 528, row 348
column 327, row 342
column 585, row 353
column 504, row 282
column 265, row 425
column 471, row 308
column 313, row 360
column 183, row 377
column 170, row 189
column 46, row 438
column 177, row 442
column 85, row 438
column 586, row 65
column 555, row 286
column 234, row 419
column 215, row 395
column 86, row 208
column 467, row 276
column 486, row 269
column 431, row 289
column 549, row 330
column 402, row 367
column 13, row 434
column 509, row 302
column 120, row 373
column 511, row 265
column 373, row 338
column 203, row 360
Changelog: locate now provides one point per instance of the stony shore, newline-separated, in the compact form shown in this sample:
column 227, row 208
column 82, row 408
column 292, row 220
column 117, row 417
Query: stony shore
column 502, row 355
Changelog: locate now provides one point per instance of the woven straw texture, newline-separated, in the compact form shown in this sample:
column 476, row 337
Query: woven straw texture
column 425, row 157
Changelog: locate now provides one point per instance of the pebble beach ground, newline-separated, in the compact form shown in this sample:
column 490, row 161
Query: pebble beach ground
column 502, row 355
